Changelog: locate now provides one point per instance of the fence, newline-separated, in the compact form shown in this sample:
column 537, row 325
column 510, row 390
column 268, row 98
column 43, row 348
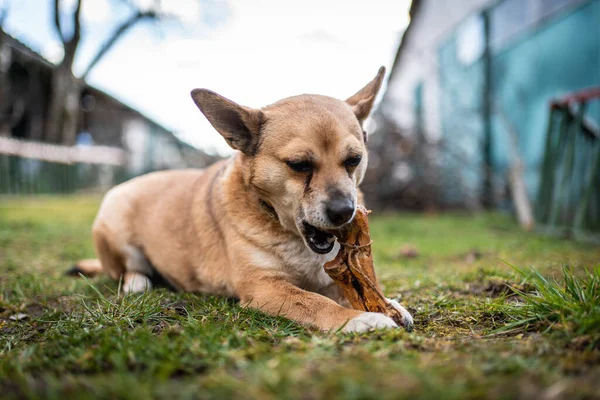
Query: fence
column 35, row 168
column 569, row 195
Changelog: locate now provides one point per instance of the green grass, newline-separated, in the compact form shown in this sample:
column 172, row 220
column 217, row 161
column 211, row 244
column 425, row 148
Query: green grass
column 483, row 329
column 570, row 307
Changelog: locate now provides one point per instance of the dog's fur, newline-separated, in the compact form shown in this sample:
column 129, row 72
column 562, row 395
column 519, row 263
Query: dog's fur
column 236, row 228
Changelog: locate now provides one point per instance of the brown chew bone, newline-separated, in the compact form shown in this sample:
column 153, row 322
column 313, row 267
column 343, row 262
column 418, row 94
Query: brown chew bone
column 352, row 269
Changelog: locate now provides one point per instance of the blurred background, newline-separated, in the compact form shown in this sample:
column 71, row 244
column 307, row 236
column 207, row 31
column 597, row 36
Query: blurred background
column 488, row 104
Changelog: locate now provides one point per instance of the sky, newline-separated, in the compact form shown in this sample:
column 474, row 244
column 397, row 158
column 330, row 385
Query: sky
column 253, row 52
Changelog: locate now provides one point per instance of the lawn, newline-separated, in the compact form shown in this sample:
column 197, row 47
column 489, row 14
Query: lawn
column 482, row 328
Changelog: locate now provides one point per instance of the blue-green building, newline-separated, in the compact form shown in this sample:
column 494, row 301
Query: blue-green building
column 473, row 79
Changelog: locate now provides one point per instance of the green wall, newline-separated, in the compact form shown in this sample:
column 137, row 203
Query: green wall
column 562, row 56
column 558, row 55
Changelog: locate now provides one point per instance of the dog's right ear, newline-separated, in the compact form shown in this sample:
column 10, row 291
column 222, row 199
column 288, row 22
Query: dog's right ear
column 239, row 125
column 363, row 100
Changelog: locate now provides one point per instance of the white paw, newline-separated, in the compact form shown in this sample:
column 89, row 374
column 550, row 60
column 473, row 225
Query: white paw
column 135, row 283
column 407, row 319
column 367, row 321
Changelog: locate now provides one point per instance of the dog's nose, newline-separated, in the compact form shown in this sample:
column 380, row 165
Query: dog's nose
column 340, row 210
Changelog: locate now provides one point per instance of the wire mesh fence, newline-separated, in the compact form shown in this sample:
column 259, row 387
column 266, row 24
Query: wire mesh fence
column 28, row 168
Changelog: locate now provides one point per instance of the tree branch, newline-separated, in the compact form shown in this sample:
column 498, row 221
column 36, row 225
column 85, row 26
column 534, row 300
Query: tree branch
column 124, row 27
column 3, row 15
column 57, row 24
column 70, row 46
column 129, row 4
column 77, row 22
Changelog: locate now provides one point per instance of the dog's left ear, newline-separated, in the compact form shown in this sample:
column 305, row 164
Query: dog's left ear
column 362, row 101
column 239, row 125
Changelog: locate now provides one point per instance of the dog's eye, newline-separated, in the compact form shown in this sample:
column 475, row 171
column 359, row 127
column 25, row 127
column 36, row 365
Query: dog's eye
column 300, row 166
column 353, row 161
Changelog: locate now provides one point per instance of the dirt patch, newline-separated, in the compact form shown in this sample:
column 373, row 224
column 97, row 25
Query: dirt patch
column 497, row 287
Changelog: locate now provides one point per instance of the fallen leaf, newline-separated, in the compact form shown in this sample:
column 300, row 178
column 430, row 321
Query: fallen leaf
column 408, row 251
column 18, row 317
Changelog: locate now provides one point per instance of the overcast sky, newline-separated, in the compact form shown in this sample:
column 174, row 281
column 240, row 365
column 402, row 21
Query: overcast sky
column 253, row 52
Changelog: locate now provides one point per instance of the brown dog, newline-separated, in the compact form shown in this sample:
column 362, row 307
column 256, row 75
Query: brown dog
column 253, row 227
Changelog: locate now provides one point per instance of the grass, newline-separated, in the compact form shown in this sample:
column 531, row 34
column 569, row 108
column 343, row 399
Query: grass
column 570, row 306
column 483, row 329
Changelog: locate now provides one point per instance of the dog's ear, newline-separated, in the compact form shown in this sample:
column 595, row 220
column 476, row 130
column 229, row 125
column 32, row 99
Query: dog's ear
column 362, row 101
column 239, row 125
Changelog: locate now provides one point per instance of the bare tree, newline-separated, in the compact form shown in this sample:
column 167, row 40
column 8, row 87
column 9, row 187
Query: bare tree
column 4, row 83
column 63, row 113
column 3, row 15
column 409, row 168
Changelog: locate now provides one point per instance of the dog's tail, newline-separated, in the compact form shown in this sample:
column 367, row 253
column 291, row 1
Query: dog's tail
column 90, row 267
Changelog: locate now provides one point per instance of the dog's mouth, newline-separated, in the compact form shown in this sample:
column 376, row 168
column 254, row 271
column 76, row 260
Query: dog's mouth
column 319, row 241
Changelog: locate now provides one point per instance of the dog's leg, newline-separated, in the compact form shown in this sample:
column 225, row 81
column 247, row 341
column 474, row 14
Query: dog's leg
column 138, row 269
column 111, row 260
column 335, row 293
column 125, row 261
column 134, row 282
column 275, row 296
column 90, row 267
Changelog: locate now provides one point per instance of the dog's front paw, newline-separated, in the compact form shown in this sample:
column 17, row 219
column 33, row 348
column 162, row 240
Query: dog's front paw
column 407, row 319
column 367, row 321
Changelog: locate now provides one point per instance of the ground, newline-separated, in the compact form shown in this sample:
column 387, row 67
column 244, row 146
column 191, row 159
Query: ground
column 64, row 337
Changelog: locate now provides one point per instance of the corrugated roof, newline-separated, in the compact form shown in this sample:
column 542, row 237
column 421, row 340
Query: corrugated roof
column 26, row 50
column 415, row 5
column 35, row 56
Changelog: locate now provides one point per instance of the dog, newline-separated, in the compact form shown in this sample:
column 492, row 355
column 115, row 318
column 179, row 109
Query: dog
column 255, row 226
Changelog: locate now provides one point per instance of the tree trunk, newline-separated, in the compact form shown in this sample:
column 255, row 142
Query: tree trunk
column 4, row 129
column 59, row 88
column 71, row 115
column 63, row 110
